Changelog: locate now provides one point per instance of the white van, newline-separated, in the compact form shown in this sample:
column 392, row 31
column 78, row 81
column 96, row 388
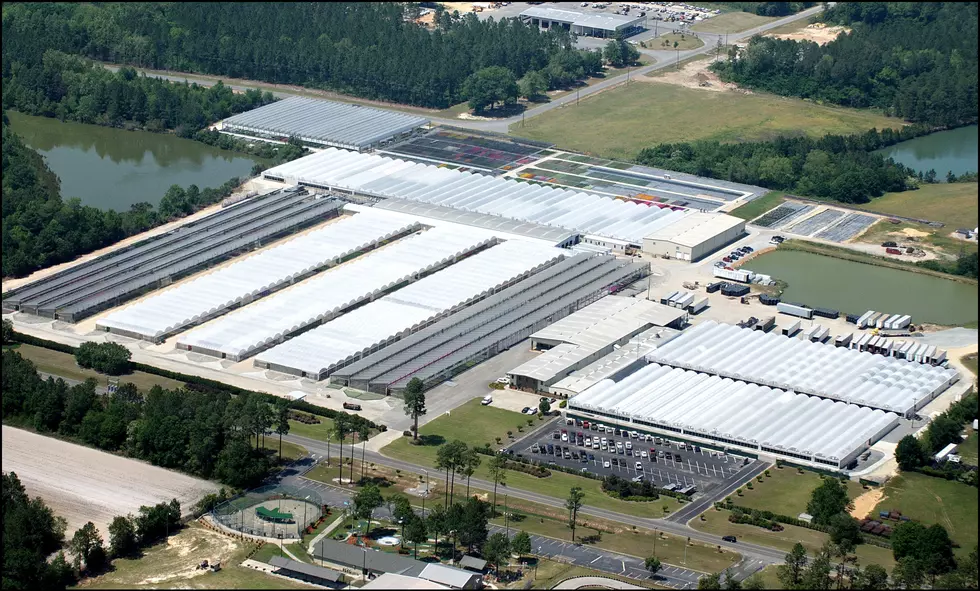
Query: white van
column 486, row 400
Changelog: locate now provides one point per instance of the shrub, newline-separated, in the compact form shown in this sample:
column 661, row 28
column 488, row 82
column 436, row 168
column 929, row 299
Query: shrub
column 563, row 404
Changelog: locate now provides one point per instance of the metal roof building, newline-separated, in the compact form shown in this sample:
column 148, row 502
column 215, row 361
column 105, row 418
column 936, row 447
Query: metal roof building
column 310, row 573
column 837, row 373
column 325, row 123
column 322, row 297
column 581, row 23
column 254, row 276
column 348, row 338
column 504, row 319
column 383, row 177
column 695, row 236
column 587, row 335
column 454, row 578
column 107, row 281
column 731, row 413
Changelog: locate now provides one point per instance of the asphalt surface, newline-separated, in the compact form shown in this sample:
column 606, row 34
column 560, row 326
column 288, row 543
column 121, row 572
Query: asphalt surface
column 665, row 59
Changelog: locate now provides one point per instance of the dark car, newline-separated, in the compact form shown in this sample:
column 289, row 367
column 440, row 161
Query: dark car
column 731, row 539
column 525, row 409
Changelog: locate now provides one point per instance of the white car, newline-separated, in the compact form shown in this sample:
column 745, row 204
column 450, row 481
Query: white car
column 643, row 454
column 588, row 442
column 564, row 437
column 639, row 467
column 595, row 444
column 604, row 442
column 605, row 464
column 504, row 380
column 629, row 445
column 486, row 400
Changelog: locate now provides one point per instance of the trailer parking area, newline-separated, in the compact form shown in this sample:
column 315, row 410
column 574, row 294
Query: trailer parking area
column 661, row 461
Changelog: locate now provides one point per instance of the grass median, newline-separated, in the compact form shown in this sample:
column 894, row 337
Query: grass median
column 786, row 491
column 759, row 206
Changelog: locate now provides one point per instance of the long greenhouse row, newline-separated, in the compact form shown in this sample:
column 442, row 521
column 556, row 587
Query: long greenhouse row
column 318, row 352
column 836, row 373
column 267, row 322
column 253, row 276
column 388, row 177
column 733, row 413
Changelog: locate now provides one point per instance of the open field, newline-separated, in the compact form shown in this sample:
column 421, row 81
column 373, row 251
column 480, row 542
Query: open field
column 757, row 207
column 786, row 491
column 83, row 484
column 935, row 500
column 970, row 361
column 954, row 204
column 649, row 111
column 321, row 431
column 968, row 449
column 731, row 22
column 63, row 364
column 716, row 522
column 684, row 41
column 770, row 577
column 290, row 451
column 476, row 425
column 171, row 565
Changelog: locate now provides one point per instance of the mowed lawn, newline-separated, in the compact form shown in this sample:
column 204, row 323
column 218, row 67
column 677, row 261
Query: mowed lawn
column 476, row 425
column 63, row 364
column 716, row 522
column 731, row 22
column 646, row 113
column 759, row 206
column 786, row 491
column 954, row 204
column 935, row 500
column 684, row 41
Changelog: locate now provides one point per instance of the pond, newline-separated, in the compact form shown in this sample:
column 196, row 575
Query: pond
column 855, row 288
column 954, row 150
column 113, row 169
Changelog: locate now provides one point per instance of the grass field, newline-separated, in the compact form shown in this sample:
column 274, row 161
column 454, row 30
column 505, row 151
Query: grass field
column 954, row 204
column 477, row 425
column 770, row 577
column 646, row 113
column 290, row 451
column 716, row 522
column 684, row 42
column 63, row 364
column 935, row 500
column 171, row 565
column 321, row 431
column 970, row 361
column 731, row 22
column 785, row 491
column 968, row 449
column 757, row 207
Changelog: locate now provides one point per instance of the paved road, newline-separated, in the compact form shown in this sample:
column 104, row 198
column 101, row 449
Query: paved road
column 752, row 552
column 664, row 60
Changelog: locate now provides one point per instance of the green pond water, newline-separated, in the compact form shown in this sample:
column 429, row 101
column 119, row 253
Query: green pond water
column 954, row 150
column 113, row 168
column 855, row 288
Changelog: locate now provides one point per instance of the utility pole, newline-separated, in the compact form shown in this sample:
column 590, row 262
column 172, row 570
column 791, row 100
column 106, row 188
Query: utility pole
column 577, row 92
column 506, row 517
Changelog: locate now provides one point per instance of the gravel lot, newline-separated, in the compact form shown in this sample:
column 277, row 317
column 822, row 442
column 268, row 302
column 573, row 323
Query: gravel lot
column 83, row 484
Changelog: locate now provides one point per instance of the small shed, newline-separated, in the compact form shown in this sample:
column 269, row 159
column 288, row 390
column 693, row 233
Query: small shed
column 805, row 517
column 473, row 563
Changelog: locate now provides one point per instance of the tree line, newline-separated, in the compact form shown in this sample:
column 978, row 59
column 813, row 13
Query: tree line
column 915, row 60
column 32, row 532
column 365, row 49
column 770, row 8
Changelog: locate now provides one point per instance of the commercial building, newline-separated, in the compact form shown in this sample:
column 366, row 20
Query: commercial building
column 694, row 237
column 369, row 328
column 732, row 414
column 324, row 123
column 454, row 578
column 826, row 371
column 588, row 334
column 356, row 561
column 585, row 24
column 482, row 330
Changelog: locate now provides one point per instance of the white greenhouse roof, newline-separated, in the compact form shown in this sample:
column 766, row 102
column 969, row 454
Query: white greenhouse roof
column 832, row 372
column 750, row 414
column 526, row 202
column 266, row 321
column 614, row 362
column 326, row 122
column 344, row 339
column 696, row 228
column 249, row 277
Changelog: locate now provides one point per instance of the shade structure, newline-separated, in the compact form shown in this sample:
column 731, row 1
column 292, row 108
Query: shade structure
column 353, row 335
column 320, row 298
column 249, row 278
column 382, row 176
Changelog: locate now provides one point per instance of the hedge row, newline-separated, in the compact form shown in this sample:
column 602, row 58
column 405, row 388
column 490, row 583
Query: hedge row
column 200, row 384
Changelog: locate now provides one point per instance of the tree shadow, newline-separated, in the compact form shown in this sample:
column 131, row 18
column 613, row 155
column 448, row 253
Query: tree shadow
column 502, row 111
column 431, row 440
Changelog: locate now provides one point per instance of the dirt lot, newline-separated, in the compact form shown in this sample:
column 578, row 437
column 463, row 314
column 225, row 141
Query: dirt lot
column 83, row 484
column 865, row 504
column 694, row 75
column 818, row 33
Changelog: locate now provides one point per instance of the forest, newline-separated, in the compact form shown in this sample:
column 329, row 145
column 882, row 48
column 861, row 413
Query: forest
column 914, row 60
column 770, row 8
column 364, row 49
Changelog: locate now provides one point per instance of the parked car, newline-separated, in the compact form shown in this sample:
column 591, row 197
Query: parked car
column 486, row 400
column 504, row 380
column 525, row 409
column 605, row 464
column 731, row 539
column 727, row 259
column 639, row 467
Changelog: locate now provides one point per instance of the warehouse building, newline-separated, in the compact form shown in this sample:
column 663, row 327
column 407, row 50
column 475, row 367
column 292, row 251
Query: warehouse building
column 802, row 366
column 585, row 24
column 587, row 335
column 324, row 123
column 624, row 223
column 695, row 236
column 365, row 330
column 500, row 321
column 733, row 414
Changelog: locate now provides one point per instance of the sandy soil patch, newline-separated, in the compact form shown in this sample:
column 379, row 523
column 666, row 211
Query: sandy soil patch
column 913, row 233
column 83, row 484
column 694, row 75
column 464, row 7
column 819, row 33
column 866, row 502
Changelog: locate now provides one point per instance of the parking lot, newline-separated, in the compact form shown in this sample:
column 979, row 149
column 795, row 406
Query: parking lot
column 663, row 462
